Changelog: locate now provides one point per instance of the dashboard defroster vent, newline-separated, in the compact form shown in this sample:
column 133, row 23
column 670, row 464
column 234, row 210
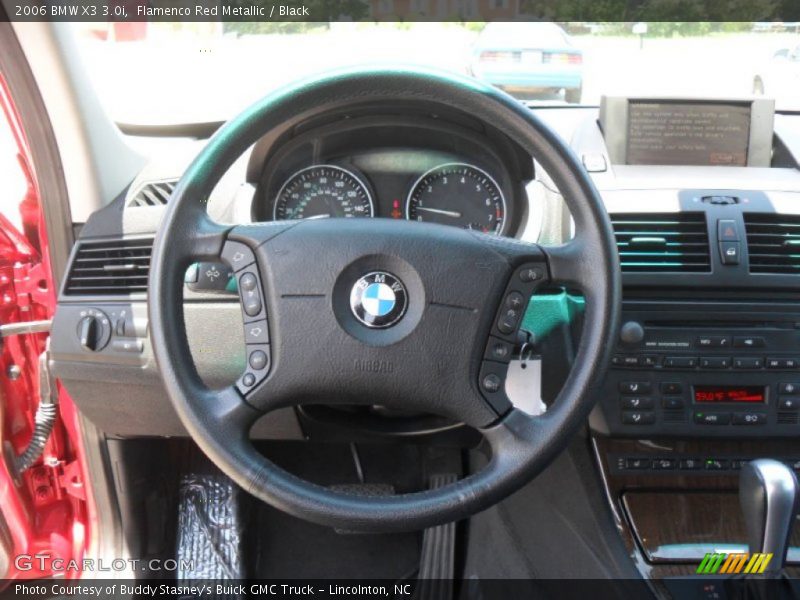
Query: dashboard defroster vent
column 662, row 242
column 773, row 242
column 154, row 193
column 109, row 268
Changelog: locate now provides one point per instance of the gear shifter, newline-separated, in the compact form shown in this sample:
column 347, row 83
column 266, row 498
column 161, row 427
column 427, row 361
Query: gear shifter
column 769, row 496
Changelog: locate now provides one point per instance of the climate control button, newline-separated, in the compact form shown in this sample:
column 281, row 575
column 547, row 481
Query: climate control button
column 671, row 388
column 635, row 387
column 635, row 402
column 643, row 417
column 750, row 418
column 713, row 418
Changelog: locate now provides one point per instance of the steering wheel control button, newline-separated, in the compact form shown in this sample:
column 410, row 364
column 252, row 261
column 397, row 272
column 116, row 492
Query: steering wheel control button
column 511, row 313
column 211, row 277
column 256, row 332
column 509, row 320
column 250, row 295
column 521, row 286
column 515, row 301
column 491, row 382
column 378, row 300
column 248, row 282
column 531, row 274
column 498, row 350
column 237, row 255
column 251, row 302
column 258, row 360
column 258, row 365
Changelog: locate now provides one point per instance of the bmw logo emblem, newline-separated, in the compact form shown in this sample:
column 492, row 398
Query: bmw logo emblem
column 378, row 299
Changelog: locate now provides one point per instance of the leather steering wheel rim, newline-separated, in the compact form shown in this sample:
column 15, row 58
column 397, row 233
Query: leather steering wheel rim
column 219, row 420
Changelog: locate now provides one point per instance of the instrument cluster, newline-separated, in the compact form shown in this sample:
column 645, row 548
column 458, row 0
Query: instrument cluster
column 419, row 169
column 450, row 193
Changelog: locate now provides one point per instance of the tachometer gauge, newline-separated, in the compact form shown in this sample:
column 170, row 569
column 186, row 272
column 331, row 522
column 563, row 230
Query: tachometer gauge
column 458, row 194
column 323, row 191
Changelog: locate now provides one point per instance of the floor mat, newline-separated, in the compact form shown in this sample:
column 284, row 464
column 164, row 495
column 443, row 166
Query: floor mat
column 286, row 547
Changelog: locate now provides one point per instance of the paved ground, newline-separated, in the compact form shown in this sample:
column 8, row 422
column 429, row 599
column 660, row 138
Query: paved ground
column 185, row 77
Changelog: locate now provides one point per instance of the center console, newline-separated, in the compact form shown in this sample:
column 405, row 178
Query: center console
column 704, row 199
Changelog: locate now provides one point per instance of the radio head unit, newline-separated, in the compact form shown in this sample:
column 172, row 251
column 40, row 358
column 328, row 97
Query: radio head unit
column 690, row 376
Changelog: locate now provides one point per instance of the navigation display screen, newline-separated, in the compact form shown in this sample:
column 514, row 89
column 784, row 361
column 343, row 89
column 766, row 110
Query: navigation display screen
column 686, row 133
column 727, row 393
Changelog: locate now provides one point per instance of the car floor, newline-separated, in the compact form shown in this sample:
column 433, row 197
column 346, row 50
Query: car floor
column 563, row 512
column 287, row 547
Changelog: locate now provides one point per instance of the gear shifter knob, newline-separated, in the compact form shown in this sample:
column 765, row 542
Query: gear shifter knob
column 768, row 493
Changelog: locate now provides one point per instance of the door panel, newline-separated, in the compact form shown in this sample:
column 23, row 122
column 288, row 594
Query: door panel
column 44, row 525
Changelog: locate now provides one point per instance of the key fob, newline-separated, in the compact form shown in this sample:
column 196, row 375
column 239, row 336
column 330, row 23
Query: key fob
column 524, row 385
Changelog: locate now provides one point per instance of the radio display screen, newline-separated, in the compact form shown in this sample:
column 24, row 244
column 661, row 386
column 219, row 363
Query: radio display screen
column 729, row 393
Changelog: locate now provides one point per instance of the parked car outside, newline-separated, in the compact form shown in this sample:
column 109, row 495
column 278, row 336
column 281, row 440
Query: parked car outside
column 530, row 58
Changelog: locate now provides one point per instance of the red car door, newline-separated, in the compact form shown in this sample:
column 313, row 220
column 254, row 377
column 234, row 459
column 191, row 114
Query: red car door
column 45, row 520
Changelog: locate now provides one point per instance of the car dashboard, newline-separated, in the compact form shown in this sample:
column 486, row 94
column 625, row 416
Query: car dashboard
column 706, row 371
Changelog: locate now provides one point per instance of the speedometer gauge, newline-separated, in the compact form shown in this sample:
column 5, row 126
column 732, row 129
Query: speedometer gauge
column 458, row 194
column 323, row 191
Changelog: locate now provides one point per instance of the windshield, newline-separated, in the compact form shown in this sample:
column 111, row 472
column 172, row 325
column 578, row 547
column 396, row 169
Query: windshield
column 169, row 73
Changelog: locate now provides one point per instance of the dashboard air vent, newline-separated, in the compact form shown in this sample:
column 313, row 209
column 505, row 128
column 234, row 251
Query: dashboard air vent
column 656, row 242
column 773, row 242
column 154, row 193
column 110, row 268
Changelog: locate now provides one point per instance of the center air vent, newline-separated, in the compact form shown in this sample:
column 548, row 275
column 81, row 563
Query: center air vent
column 773, row 242
column 154, row 193
column 110, row 268
column 656, row 243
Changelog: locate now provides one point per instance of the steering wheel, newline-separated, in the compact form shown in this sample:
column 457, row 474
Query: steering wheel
column 403, row 314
